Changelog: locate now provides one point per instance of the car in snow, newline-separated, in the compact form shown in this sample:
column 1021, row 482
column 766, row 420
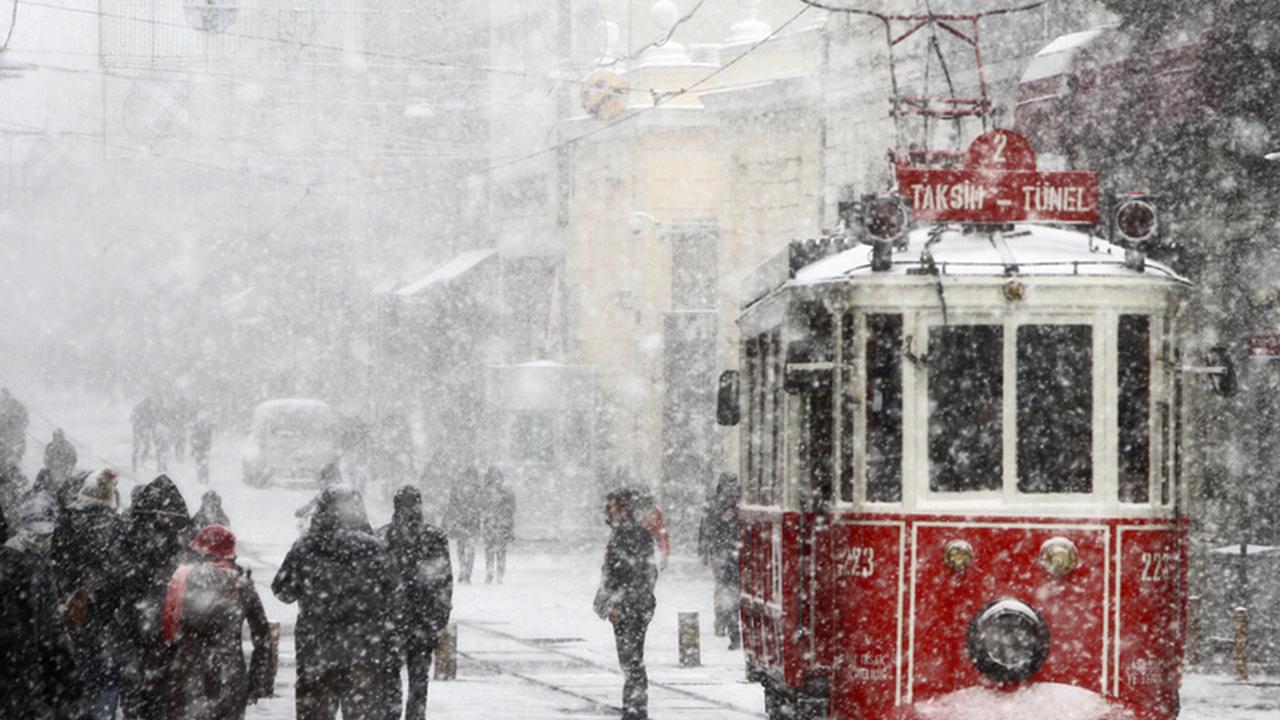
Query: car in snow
column 290, row 440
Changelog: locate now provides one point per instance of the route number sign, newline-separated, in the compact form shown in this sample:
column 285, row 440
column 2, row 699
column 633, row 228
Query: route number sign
column 1000, row 183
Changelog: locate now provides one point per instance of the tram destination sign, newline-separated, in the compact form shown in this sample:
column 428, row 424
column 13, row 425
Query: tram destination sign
column 1000, row 184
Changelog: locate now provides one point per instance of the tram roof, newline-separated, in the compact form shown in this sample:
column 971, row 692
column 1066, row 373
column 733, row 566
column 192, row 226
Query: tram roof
column 1026, row 250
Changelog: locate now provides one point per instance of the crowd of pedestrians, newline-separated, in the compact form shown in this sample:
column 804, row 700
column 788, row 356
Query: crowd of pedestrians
column 167, row 426
column 138, row 612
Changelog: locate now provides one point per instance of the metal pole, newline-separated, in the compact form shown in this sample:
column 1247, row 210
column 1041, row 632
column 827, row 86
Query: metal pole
column 1241, row 617
column 1193, row 631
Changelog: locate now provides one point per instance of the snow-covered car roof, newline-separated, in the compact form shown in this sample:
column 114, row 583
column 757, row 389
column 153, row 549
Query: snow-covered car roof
column 1025, row 251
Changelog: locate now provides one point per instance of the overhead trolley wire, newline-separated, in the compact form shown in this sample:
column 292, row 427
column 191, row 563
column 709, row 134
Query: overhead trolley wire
column 304, row 44
column 659, row 102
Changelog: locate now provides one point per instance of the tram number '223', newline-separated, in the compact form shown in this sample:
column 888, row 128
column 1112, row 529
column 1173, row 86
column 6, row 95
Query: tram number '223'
column 859, row 562
column 1158, row 567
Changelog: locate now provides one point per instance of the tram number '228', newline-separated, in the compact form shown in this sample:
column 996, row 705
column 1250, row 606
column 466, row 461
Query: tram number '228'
column 1159, row 567
column 859, row 562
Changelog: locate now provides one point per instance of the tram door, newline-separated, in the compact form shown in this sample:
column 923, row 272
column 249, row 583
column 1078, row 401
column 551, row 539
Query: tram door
column 813, row 389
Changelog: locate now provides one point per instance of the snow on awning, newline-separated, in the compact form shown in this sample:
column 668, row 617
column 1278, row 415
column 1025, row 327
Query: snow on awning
column 447, row 272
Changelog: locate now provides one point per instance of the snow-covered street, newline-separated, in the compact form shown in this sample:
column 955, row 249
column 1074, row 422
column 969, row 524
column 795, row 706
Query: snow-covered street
column 531, row 647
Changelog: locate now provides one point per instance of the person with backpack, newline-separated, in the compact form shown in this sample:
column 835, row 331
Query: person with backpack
column 82, row 538
column 207, row 602
column 424, row 594
column 341, row 576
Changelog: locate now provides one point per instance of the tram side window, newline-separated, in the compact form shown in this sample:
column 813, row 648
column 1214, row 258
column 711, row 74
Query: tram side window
column 1055, row 409
column 884, row 408
column 966, row 387
column 1134, row 411
column 848, row 403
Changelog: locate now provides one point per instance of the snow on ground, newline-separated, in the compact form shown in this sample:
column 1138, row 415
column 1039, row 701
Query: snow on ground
column 530, row 648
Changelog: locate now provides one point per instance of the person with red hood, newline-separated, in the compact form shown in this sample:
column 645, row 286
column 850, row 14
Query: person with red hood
column 207, row 602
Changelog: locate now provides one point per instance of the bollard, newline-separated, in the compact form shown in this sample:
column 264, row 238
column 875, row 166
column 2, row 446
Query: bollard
column 690, row 644
column 1193, row 631
column 447, row 653
column 1241, row 617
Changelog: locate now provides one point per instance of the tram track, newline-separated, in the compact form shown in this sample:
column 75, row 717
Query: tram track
column 565, row 659
column 582, row 662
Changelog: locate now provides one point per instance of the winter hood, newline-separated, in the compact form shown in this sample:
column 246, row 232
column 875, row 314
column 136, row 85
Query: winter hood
column 159, row 497
column 99, row 489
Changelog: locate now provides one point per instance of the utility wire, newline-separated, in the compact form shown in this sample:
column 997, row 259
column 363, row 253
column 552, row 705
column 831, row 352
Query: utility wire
column 666, row 38
column 659, row 102
column 303, row 44
column 13, row 20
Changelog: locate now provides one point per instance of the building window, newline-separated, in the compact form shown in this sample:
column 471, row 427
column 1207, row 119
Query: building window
column 966, row 387
column 1055, row 409
column 884, row 408
column 1134, row 350
column 534, row 436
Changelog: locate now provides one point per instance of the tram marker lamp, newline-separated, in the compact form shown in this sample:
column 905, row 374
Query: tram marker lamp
column 1058, row 556
column 957, row 555
column 1008, row 641
column 1135, row 220
column 885, row 217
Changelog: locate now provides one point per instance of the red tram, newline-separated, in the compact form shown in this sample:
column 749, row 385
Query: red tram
column 960, row 456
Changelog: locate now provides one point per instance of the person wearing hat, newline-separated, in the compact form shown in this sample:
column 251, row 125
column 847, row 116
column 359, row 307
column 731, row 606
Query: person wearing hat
column 37, row 667
column 87, row 528
column 625, row 596
column 207, row 602
column 210, row 512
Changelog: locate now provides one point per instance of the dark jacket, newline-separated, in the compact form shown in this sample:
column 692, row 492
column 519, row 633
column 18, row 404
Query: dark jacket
column 718, row 532
column 208, row 679
column 465, row 511
column 60, row 457
column 420, row 556
column 82, row 539
column 499, row 522
column 341, row 577
column 629, row 573
column 126, row 600
column 37, row 669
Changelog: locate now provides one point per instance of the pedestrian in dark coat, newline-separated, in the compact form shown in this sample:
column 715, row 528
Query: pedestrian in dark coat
column 37, row 672
column 87, row 530
column 625, row 596
column 60, row 457
column 465, row 519
column 207, row 603
column 498, row 523
column 132, row 588
column 424, row 593
column 718, row 548
column 210, row 512
column 201, row 446
column 341, row 577
column 144, row 429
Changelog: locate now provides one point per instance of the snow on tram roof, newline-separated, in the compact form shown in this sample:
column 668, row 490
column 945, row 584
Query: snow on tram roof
column 1034, row 250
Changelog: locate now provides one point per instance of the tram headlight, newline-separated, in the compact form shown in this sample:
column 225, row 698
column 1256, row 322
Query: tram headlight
column 1058, row 556
column 957, row 555
column 1008, row 641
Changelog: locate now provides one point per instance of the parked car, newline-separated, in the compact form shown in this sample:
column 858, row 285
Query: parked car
column 290, row 440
